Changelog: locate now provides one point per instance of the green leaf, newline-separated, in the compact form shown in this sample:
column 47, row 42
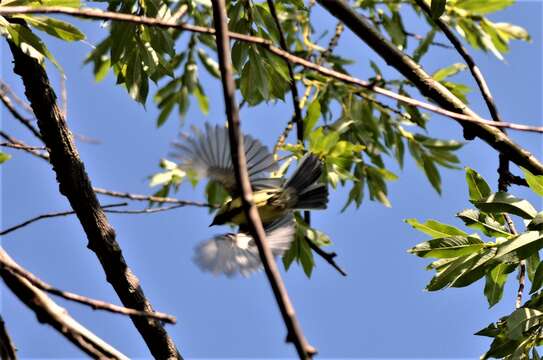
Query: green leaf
column 431, row 172
column 394, row 27
column 522, row 245
column 478, row 188
column 203, row 101
column 536, row 223
column 424, row 45
column 211, row 65
column 482, row 7
column 30, row 44
column 312, row 116
column 495, row 280
column 436, row 229
column 4, row 157
column 502, row 202
column 535, row 182
column 448, row 71
column 453, row 271
column 537, row 282
column 522, row 320
column 437, row 8
column 54, row 27
column 476, row 220
column 531, row 265
column 448, row 247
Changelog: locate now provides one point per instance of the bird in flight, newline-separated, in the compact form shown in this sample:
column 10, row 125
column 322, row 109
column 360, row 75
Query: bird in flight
column 207, row 154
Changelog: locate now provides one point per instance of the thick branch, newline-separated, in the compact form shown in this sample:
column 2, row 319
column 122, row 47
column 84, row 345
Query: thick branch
column 94, row 304
column 294, row 330
column 48, row 312
column 427, row 86
column 7, row 348
column 74, row 183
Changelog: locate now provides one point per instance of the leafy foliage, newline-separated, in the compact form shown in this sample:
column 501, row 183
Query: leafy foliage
column 462, row 259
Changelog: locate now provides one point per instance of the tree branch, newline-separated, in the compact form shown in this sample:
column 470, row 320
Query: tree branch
column 47, row 216
column 7, row 348
column 294, row 330
column 7, row 103
column 500, row 143
column 94, row 304
column 429, row 87
column 157, row 199
column 48, row 312
column 22, row 146
column 74, row 183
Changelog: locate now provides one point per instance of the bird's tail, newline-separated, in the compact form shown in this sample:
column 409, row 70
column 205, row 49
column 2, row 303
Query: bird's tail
column 309, row 193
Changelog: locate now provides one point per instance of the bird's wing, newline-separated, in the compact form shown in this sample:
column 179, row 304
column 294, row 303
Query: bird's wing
column 231, row 254
column 208, row 155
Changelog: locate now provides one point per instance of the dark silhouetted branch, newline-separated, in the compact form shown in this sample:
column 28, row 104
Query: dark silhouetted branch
column 48, row 312
column 94, row 304
column 22, row 146
column 26, row 122
column 294, row 331
column 75, row 184
column 7, row 348
column 48, row 216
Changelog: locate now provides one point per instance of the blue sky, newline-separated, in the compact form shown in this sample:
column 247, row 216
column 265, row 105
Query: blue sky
column 379, row 311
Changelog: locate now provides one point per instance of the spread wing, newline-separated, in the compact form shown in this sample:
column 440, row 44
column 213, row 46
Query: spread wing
column 231, row 254
column 208, row 154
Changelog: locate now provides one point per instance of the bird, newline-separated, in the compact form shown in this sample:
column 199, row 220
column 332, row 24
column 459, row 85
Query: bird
column 207, row 155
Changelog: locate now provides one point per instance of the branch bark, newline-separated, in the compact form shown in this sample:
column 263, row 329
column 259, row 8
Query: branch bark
column 48, row 312
column 427, row 86
column 294, row 331
column 7, row 348
column 74, row 183
column 94, row 304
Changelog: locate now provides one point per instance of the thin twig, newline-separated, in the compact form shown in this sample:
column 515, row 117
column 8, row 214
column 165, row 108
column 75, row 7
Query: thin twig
column 293, row 88
column 7, row 348
column 294, row 331
column 522, row 265
column 145, row 211
column 26, row 122
column 108, row 15
column 47, row 216
column 93, row 303
column 327, row 256
column 7, row 89
column 48, row 312
column 22, row 146
column 156, row 199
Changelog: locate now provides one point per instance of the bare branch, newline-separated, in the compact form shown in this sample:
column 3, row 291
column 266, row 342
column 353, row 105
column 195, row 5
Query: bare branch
column 7, row 348
column 7, row 89
column 157, row 199
column 75, row 184
column 295, row 334
column 94, row 304
column 26, row 122
column 328, row 257
column 22, row 146
column 47, row 216
column 48, row 312
column 145, row 211
column 293, row 89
